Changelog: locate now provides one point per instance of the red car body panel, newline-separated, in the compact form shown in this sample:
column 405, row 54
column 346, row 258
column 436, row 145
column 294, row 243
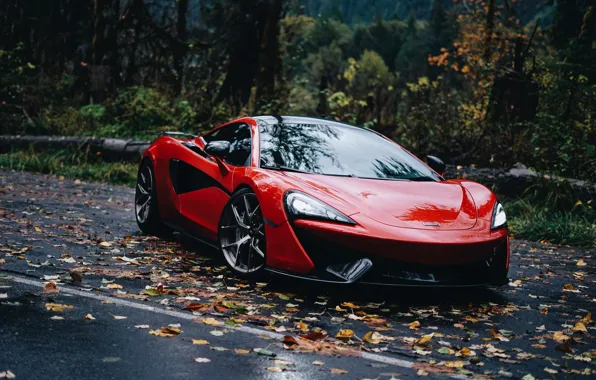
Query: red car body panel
column 395, row 220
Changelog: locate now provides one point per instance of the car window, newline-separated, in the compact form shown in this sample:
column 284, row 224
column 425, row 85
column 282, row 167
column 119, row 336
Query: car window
column 239, row 136
column 339, row 150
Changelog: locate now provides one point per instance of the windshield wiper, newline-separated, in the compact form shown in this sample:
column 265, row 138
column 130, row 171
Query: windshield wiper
column 419, row 179
column 283, row 169
column 287, row 169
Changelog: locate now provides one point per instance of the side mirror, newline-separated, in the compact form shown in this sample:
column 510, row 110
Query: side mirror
column 219, row 149
column 436, row 164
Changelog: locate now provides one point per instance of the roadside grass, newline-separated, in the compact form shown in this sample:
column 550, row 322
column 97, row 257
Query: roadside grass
column 530, row 221
column 71, row 164
column 544, row 213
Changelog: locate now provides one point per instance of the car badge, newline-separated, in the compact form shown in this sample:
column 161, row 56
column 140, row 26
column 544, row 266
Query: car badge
column 433, row 224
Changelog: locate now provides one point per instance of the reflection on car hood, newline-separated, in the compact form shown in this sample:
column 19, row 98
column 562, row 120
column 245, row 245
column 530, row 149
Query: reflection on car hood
column 407, row 204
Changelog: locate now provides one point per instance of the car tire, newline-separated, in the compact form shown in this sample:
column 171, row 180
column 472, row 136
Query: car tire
column 241, row 234
column 146, row 206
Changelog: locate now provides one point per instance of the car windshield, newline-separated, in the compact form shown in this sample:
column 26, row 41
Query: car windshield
column 341, row 150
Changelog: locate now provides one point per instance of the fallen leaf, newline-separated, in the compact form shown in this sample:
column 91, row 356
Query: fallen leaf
column 57, row 318
column 212, row 322
column 414, row 325
column 114, row 286
column 455, row 364
column 425, row 339
column 241, row 351
column 558, row 336
column 338, row 371
column 275, row 369
column 316, row 362
column 165, row 332
column 345, row 334
column 372, row 337
column 118, row 317
column 264, row 352
column 587, row 318
column 89, row 317
column 200, row 341
column 7, row 375
column 216, row 333
column 350, row 305
column 498, row 336
column 564, row 347
column 50, row 287
column 551, row 371
column 202, row 360
column 57, row 307
column 303, row 326
column 528, row 377
column 579, row 327
column 142, row 326
column 581, row 263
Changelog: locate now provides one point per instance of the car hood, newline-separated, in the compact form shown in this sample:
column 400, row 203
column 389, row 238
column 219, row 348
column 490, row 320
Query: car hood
column 408, row 204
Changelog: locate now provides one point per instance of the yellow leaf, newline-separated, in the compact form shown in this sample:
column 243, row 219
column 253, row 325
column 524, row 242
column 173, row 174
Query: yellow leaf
column 212, row 322
column 89, row 317
column 425, row 339
column 414, row 325
column 558, row 336
column 587, row 318
column 372, row 337
column 338, row 371
column 350, row 305
column 455, row 364
column 275, row 369
column 37, row 229
column 114, row 286
column 57, row 307
column 165, row 332
column 581, row 263
column 579, row 327
column 579, row 203
column 241, row 351
column 337, row 308
column 201, row 342
column 303, row 326
column 345, row 334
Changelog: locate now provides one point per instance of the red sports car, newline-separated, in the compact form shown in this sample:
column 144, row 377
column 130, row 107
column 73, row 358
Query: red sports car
column 325, row 201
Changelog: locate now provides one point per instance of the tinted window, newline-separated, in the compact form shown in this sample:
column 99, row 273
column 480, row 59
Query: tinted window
column 338, row 150
column 239, row 136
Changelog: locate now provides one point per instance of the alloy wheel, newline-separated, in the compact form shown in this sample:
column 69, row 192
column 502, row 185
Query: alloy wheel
column 242, row 234
column 144, row 194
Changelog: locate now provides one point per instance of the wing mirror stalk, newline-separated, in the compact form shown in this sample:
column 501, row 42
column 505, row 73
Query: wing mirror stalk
column 219, row 150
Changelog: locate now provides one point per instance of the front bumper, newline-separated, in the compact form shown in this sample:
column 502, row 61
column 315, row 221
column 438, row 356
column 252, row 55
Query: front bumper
column 343, row 257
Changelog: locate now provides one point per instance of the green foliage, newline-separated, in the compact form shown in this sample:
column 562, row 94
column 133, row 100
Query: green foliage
column 532, row 221
column 72, row 164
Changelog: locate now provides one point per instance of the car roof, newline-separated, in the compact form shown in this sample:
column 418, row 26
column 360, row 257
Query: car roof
column 272, row 120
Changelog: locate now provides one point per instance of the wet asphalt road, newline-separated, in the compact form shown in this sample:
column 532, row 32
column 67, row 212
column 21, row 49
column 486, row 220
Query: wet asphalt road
column 50, row 228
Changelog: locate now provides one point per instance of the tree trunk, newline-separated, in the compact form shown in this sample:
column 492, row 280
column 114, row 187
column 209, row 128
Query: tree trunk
column 490, row 27
column 269, row 55
column 181, row 49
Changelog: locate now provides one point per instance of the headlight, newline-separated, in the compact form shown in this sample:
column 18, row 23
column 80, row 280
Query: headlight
column 499, row 217
column 301, row 205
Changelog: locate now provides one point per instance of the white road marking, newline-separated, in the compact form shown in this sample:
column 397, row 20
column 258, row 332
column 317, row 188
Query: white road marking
column 187, row 316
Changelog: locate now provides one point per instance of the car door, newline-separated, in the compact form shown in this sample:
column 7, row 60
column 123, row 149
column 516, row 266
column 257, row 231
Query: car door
column 206, row 188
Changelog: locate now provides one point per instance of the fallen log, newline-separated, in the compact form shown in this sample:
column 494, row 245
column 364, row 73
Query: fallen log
column 109, row 149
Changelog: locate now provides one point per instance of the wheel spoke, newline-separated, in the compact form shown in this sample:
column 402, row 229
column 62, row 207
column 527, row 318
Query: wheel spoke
column 142, row 207
column 255, row 211
column 238, row 218
column 142, row 189
column 247, row 207
column 237, row 243
column 256, row 248
column 249, row 256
